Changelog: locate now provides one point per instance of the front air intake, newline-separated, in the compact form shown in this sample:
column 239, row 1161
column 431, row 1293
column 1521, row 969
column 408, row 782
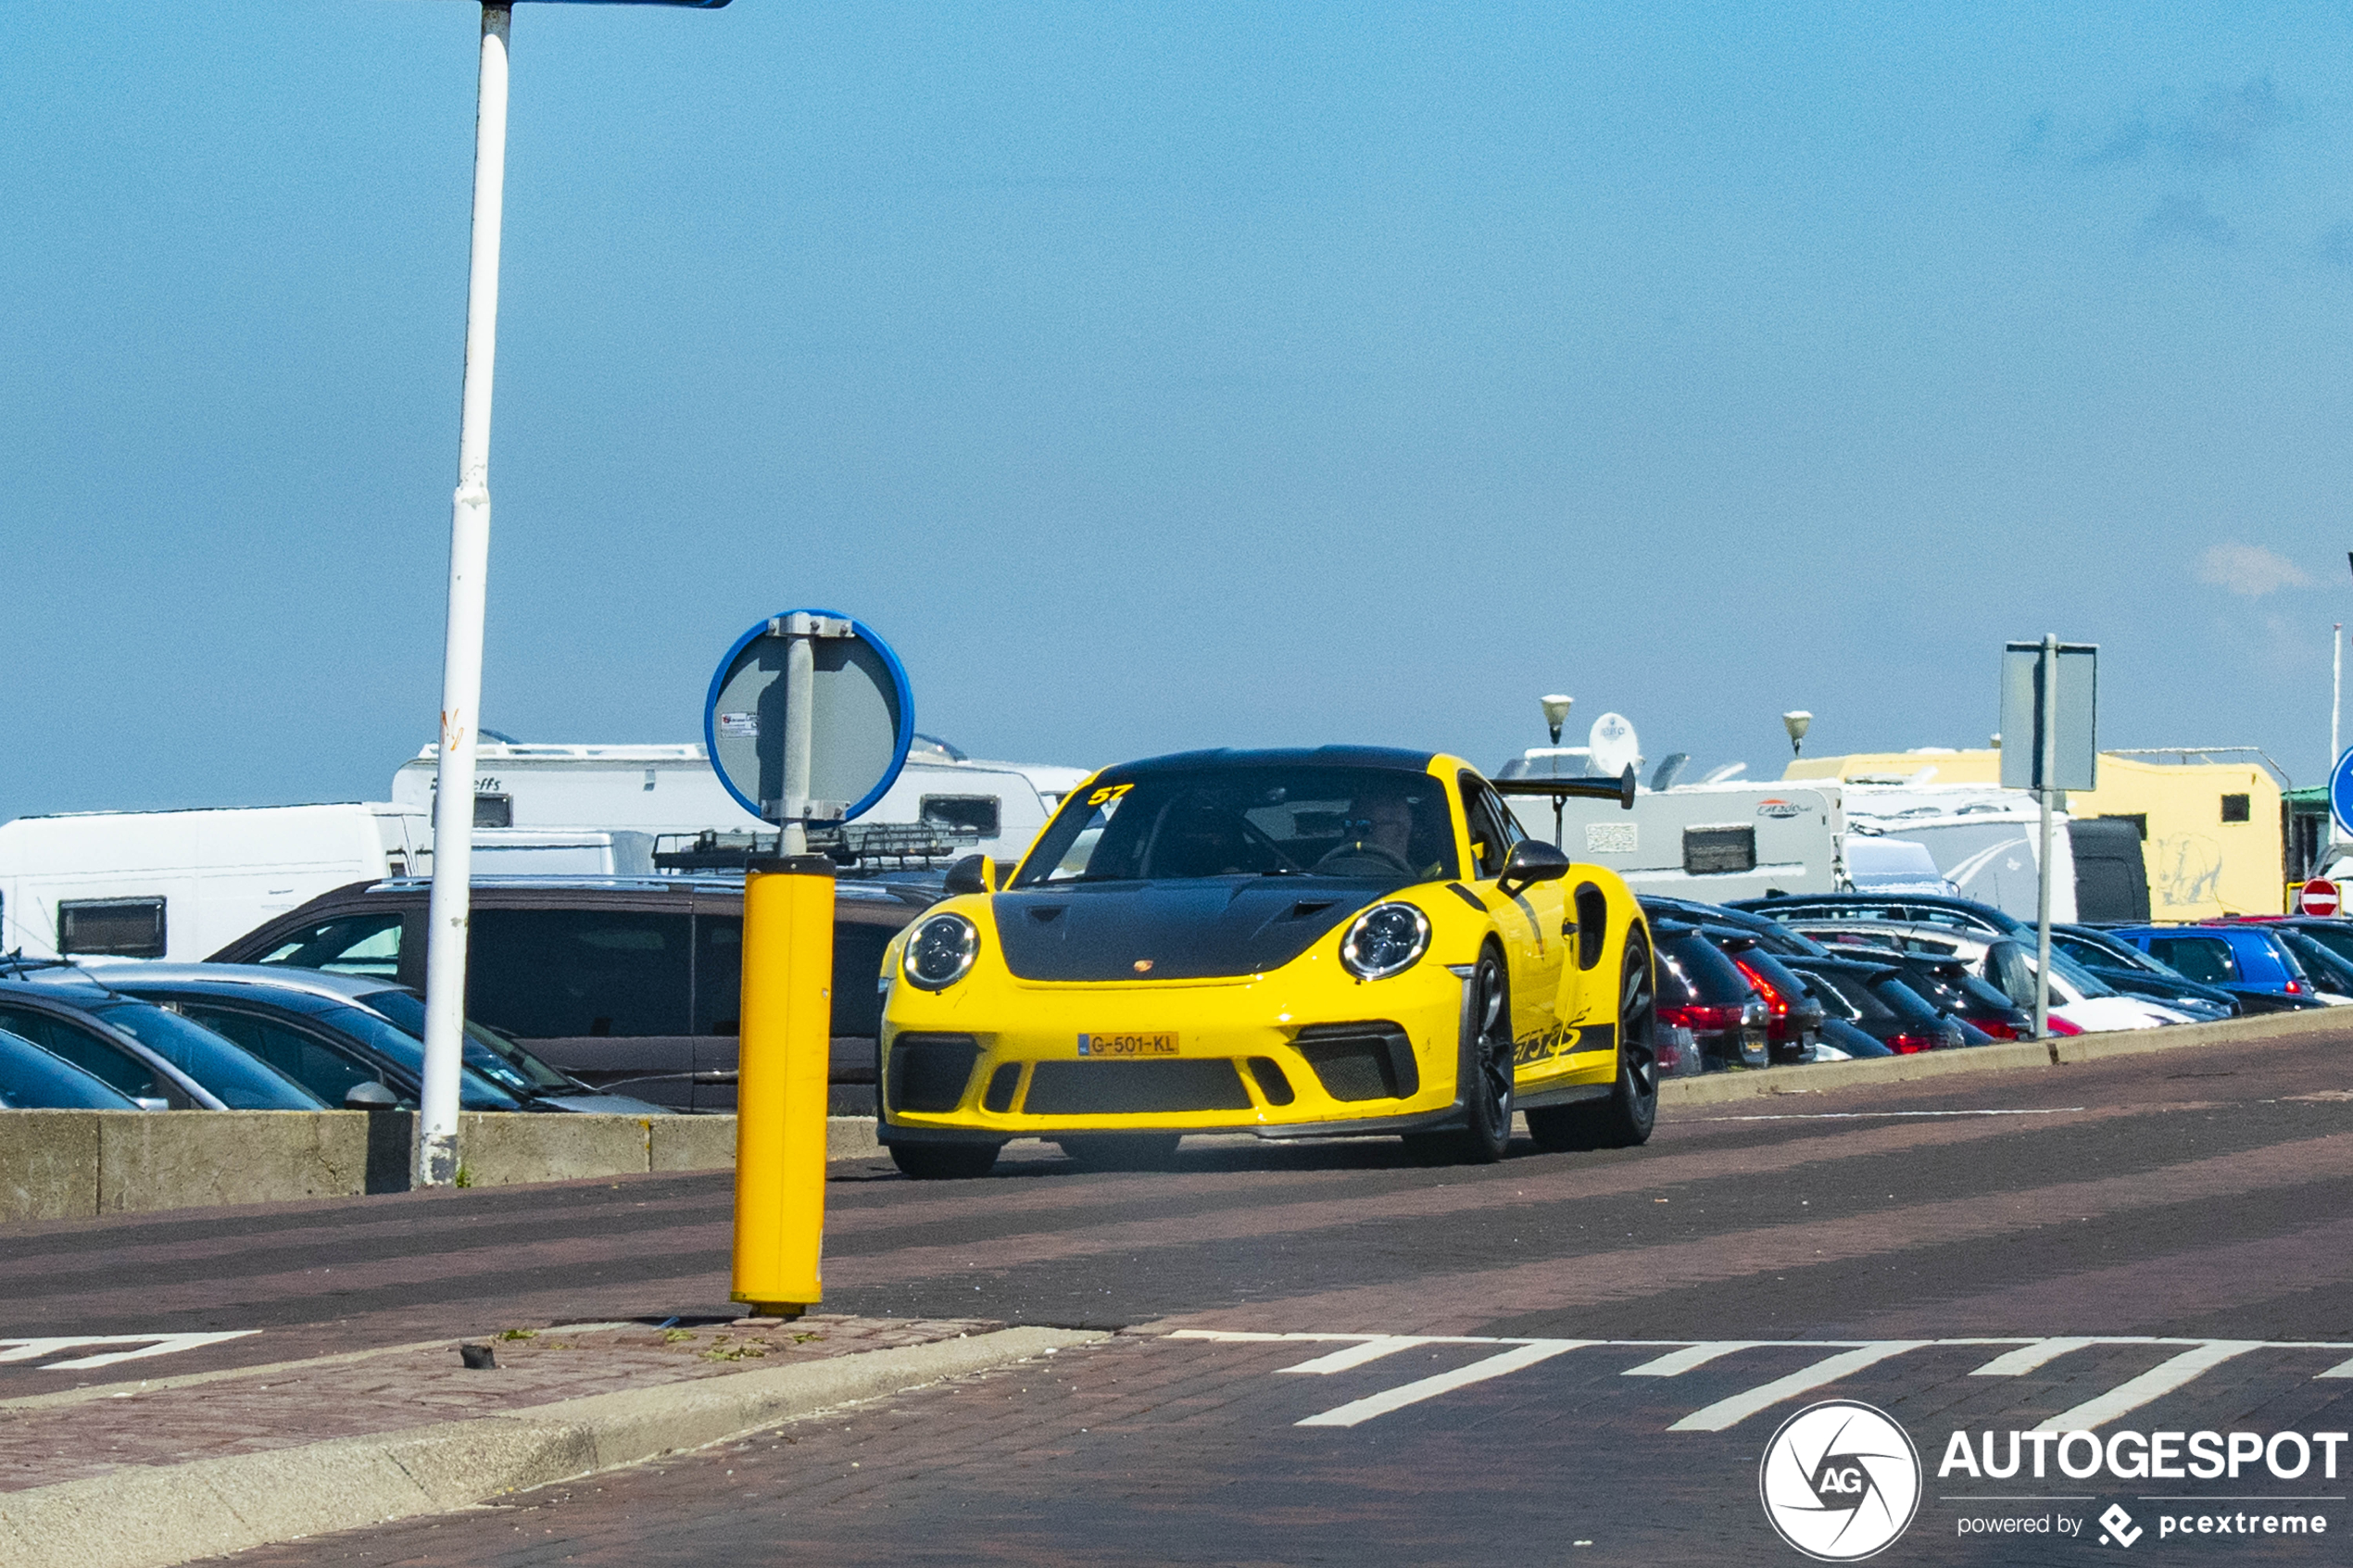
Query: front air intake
column 1357, row 1061
column 927, row 1073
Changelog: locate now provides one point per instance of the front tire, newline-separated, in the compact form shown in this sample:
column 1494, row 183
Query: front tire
column 1624, row 1119
column 943, row 1161
column 1484, row 1074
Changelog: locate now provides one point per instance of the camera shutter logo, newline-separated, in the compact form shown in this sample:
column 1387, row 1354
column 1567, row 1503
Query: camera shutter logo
column 1839, row 1481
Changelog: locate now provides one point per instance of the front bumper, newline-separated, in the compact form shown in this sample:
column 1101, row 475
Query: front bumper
column 1281, row 1056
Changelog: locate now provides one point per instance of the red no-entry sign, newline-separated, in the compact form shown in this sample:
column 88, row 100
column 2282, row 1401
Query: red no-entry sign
column 2317, row 896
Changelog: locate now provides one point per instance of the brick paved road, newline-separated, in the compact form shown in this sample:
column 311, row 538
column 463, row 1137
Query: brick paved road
column 2191, row 1197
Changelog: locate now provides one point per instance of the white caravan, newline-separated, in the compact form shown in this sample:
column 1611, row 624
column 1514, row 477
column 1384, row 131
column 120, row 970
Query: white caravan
column 1711, row 843
column 670, row 795
column 181, row 885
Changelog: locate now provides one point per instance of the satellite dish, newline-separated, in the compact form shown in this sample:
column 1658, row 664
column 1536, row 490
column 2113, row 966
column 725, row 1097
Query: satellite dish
column 1611, row 745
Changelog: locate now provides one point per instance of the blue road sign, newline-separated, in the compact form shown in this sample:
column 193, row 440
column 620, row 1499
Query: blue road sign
column 2341, row 794
column 861, row 716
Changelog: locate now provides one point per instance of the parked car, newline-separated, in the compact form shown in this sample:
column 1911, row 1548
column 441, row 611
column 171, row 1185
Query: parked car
column 2336, row 935
column 154, row 1056
column 1703, row 993
column 2244, row 958
column 2078, row 998
column 2135, row 974
column 334, row 1032
column 32, row 1079
column 1777, row 938
column 1841, row 1041
column 1793, row 1015
column 2328, row 970
column 1872, row 997
column 1959, row 992
column 1962, row 914
column 624, row 982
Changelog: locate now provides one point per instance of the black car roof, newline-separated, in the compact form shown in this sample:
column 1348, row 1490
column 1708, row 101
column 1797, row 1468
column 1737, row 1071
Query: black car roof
column 1396, row 759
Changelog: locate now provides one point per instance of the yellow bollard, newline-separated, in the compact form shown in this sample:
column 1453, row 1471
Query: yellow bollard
column 780, row 1091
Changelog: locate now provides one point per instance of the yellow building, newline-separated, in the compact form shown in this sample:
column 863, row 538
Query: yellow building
column 2210, row 832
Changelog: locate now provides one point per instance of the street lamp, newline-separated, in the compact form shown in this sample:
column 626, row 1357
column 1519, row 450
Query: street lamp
column 1797, row 722
column 1556, row 709
column 453, row 811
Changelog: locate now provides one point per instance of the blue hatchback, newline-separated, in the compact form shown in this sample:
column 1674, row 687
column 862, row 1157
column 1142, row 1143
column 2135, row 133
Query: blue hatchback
column 2235, row 957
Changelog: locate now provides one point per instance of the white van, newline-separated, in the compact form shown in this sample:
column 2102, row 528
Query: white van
column 179, row 885
column 1985, row 840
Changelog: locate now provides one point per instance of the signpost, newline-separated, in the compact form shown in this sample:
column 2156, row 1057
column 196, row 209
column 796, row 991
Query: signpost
column 808, row 719
column 2049, row 697
column 2317, row 896
column 453, row 819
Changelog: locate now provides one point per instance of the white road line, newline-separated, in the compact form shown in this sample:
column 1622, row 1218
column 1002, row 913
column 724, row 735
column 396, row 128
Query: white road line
column 1515, row 1359
column 1357, row 1355
column 1250, row 1337
column 2160, row 1380
column 2342, row 1369
column 2029, row 1358
column 150, row 1345
column 1677, row 1362
column 1884, row 1115
column 1739, row 1407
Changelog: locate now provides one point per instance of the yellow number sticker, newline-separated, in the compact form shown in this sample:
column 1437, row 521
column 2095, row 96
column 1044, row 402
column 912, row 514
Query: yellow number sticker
column 1109, row 791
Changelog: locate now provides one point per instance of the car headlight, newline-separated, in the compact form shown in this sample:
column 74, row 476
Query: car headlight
column 1385, row 940
column 941, row 951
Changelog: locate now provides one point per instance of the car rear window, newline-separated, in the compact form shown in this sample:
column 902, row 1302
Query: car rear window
column 240, row 1080
column 2205, row 959
column 1701, row 972
column 31, row 1078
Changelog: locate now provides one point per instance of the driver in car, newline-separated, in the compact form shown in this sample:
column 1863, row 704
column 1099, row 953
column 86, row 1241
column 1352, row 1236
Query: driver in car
column 1378, row 834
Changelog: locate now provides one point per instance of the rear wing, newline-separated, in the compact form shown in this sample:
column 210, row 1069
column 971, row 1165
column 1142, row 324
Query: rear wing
column 1620, row 789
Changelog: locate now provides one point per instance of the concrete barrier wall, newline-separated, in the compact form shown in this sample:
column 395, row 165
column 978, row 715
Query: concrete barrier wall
column 76, row 1164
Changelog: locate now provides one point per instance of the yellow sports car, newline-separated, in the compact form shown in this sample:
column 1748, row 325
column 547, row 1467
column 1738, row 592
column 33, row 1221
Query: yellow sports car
column 1295, row 944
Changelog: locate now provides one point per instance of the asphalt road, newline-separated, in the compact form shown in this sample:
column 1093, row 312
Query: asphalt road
column 2157, row 1242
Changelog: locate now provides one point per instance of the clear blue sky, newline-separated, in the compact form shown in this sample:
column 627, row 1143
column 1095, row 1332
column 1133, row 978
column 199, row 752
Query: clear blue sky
column 1158, row 377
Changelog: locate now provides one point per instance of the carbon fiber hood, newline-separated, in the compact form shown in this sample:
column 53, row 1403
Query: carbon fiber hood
column 1199, row 928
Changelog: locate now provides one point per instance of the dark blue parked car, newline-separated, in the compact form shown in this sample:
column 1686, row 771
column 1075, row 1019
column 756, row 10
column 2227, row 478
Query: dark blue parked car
column 32, row 1079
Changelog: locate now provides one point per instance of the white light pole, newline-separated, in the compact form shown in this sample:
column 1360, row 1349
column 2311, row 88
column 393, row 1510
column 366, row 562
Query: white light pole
column 453, row 807
column 2048, row 771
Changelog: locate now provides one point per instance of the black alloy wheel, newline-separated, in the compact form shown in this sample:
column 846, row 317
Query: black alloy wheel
column 1485, row 1075
column 1626, row 1118
column 1122, row 1151
column 943, row 1161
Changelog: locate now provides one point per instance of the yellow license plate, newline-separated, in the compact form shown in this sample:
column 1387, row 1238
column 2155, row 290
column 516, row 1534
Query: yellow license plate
column 1157, row 1043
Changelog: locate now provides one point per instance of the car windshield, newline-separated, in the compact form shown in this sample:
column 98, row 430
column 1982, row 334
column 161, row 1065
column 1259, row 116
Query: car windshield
column 2085, row 982
column 1364, row 823
column 2337, row 940
column 242, row 1081
column 499, row 1059
column 477, row 1090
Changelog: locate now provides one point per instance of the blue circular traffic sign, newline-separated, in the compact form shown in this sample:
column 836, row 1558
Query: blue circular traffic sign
column 861, row 714
column 2341, row 794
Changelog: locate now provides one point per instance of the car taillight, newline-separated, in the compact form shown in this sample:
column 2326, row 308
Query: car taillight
column 1774, row 1003
column 1701, row 1016
column 2061, row 1026
column 2001, row 1029
column 2295, row 987
column 1908, row 1044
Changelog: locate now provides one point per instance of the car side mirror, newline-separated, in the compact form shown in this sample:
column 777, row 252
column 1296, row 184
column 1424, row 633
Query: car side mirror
column 973, row 874
column 151, row 1102
column 1532, row 861
column 369, row 1096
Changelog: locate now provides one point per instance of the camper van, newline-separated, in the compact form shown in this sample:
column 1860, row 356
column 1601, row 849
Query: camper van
column 1708, row 842
column 941, row 801
column 103, row 885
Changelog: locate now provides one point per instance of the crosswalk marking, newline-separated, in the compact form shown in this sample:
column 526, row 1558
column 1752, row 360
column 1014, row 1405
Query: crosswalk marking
column 2024, row 1355
column 148, row 1345
column 1830, row 1369
column 2134, row 1392
column 1677, row 1362
column 1514, row 1359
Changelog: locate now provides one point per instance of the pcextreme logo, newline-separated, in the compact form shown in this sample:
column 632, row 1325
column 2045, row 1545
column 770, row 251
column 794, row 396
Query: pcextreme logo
column 1839, row 1481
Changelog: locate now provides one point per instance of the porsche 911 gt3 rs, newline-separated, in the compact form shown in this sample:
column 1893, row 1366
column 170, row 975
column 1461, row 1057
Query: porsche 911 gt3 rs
column 1290, row 943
